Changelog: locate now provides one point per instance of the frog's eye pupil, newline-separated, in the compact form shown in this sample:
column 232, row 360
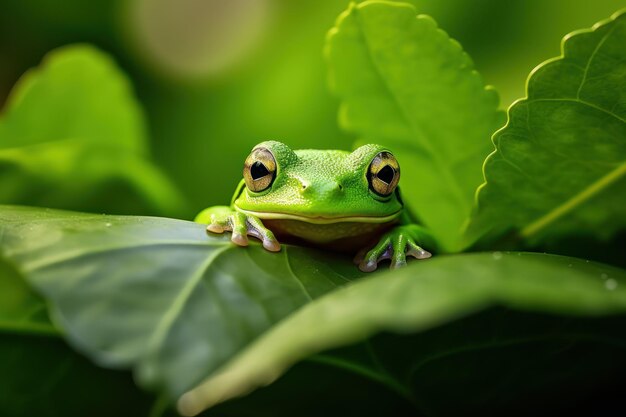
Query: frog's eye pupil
column 386, row 174
column 258, row 170
column 383, row 174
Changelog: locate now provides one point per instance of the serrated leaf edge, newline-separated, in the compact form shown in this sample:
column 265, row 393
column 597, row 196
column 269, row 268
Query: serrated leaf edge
column 582, row 196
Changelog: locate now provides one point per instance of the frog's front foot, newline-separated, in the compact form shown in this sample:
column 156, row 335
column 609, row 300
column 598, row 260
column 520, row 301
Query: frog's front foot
column 395, row 245
column 221, row 218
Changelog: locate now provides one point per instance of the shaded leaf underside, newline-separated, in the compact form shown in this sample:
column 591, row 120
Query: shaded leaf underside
column 417, row 298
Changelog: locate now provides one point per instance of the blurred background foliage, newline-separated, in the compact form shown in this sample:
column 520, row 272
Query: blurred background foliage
column 214, row 78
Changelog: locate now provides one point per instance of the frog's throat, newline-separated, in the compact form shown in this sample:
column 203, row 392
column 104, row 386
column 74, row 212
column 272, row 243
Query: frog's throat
column 320, row 219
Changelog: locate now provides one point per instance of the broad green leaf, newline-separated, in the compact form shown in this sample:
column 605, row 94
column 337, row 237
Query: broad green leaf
column 498, row 362
column 414, row 299
column 159, row 294
column 78, row 92
column 40, row 375
column 73, row 136
column 405, row 84
column 560, row 164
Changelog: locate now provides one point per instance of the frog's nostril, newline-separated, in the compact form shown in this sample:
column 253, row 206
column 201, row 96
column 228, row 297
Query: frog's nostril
column 321, row 188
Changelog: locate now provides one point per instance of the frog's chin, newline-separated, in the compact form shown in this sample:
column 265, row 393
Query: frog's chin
column 321, row 219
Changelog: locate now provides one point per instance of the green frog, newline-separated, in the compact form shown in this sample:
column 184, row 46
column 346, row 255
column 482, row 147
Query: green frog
column 333, row 199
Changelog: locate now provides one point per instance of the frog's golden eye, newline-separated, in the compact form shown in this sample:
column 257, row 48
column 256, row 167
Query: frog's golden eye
column 259, row 170
column 383, row 174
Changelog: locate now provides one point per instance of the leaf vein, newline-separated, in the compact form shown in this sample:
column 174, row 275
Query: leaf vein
column 575, row 201
column 296, row 278
column 583, row 102
column 591, row 58
column 173, row 311
column 418, row 134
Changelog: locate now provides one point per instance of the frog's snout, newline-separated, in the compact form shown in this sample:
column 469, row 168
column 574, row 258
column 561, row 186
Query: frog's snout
column 321, row 189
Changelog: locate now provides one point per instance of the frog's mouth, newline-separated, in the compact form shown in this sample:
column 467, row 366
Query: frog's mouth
column 321, row 219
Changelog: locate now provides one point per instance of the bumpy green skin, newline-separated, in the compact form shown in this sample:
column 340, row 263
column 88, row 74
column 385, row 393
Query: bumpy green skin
column 321, row 197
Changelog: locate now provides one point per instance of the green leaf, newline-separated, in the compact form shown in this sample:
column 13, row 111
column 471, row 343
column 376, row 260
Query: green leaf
column 78, row 92
column 417, row 298
column 73, row 136
column 41, row 375
column 159, row 294
column 485, row 364
column 405, row 84
column 560, row 164
column 21, row 310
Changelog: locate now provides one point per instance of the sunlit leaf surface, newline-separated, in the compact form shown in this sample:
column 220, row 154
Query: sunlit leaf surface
column 405, row 84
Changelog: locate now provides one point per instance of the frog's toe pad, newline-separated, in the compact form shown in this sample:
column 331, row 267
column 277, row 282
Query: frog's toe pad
column 271, row 245
column 368, row 265
column 369, row 262
column 419, row 253
column 239, row 239
column 215, row 228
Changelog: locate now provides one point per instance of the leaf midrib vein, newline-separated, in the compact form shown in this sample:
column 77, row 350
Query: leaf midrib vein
column 296, row 278
column 173, row 311
column 592, row 189
column 576, row 200
column 420, row 136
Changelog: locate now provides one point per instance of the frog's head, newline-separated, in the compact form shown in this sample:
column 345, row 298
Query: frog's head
column 320, row 186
